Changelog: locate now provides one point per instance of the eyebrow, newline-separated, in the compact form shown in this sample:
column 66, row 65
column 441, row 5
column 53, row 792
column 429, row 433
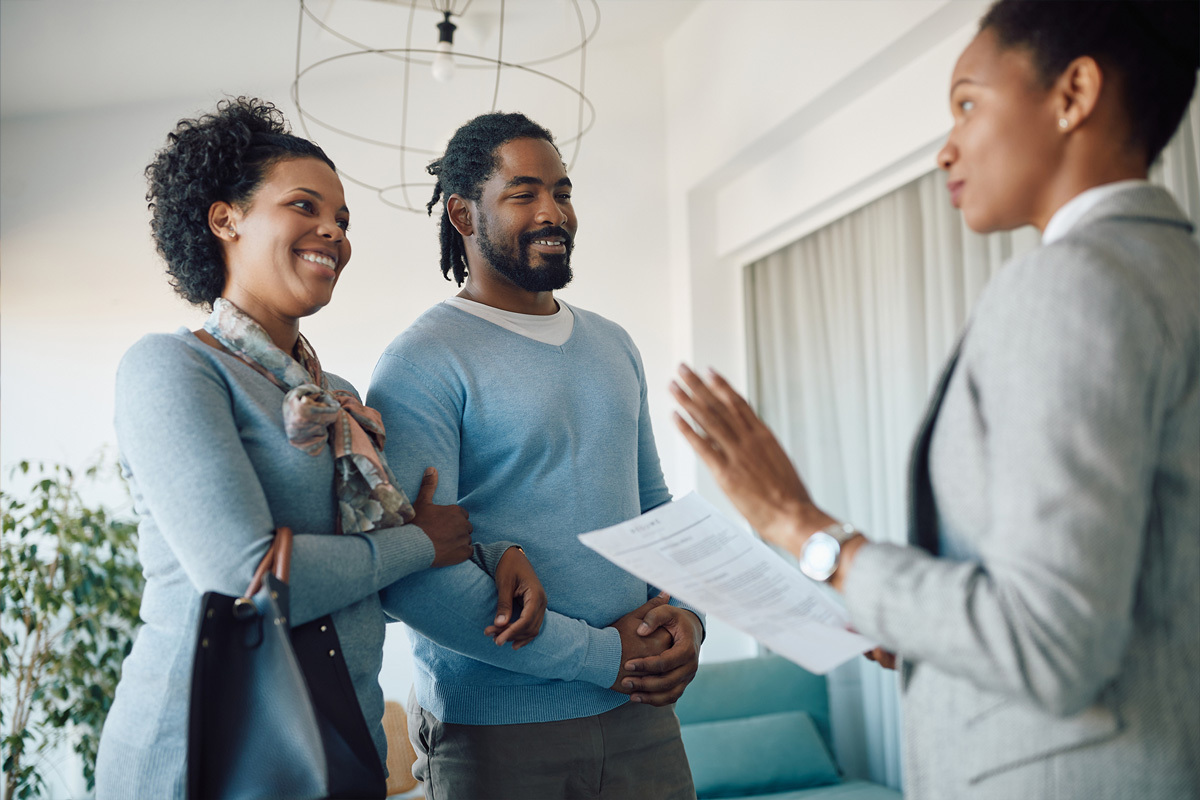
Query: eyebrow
column 317, row 195
column 521, row 180
column 961, row 81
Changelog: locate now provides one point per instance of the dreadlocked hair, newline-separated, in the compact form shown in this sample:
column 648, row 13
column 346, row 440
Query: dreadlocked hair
column 221, row 156
column 469, row 160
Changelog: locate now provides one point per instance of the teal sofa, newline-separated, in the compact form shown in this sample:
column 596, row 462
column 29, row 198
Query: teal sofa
column 759, row 728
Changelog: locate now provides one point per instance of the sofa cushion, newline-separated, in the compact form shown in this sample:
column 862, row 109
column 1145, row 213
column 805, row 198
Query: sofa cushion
column 756, row 755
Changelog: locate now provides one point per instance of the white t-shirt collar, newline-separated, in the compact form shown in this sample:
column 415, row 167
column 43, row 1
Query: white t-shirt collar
column 1074, row 209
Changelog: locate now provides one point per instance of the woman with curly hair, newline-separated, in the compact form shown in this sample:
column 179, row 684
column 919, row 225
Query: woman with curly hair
column 234, row 430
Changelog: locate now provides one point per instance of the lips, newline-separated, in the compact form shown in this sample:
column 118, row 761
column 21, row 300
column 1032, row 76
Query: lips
column 552, row 241
column 955, row 188
column 319, row 258
column 550, row 245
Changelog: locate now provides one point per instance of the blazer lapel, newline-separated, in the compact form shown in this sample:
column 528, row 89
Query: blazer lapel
column 922, row 511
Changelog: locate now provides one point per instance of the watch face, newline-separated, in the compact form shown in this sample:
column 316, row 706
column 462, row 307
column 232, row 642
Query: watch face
column 820, row 556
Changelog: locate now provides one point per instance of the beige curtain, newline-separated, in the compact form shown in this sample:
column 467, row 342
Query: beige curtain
column 848, row 329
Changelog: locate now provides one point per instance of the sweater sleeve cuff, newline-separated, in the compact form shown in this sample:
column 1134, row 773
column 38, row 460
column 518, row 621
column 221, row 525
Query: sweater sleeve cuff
column 603, row 660
column 487, row 556
column 401, row 552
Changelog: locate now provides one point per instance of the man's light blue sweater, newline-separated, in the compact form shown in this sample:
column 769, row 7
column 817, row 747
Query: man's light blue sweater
column 538, row 443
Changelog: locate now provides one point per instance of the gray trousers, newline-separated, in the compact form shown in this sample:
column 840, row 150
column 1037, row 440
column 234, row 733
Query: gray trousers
column 633, row 752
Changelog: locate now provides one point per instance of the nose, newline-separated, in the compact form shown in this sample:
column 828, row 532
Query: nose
column 550, row 212
column 947, row 155
column 330, row 229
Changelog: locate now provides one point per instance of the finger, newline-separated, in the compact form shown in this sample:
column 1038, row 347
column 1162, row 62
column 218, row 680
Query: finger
column 672, row 658
column 429, row 482
column 732, row 399
column 504, row 602
column 661, row 617
column 703, row 395
column 536, row 628
column 658, row 699
column 645, row 608
column 705, row 448
column 521, row 630
column 702, row 407
column 519, row 627
column 669, row 692
column 660, row 683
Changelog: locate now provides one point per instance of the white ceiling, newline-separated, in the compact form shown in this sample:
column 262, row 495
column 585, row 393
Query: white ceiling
column 64, row 55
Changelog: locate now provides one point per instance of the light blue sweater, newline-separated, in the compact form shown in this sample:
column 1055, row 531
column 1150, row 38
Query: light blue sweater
column 538, row 443
column 212, row 474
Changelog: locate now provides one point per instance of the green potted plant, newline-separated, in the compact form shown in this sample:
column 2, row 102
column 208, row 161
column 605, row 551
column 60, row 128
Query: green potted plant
column 70, row 590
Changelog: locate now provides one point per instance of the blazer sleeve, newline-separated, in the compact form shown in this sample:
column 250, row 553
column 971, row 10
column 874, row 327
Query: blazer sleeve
column 1064, row 369
column 452, row 605
column 180, row 441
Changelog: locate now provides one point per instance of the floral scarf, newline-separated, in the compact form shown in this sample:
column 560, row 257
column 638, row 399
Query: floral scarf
column 314, row 415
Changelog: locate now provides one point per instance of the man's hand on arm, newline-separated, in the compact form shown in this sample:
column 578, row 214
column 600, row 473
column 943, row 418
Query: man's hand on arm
column 660, row 678
column 446, row 526
column 520, row 601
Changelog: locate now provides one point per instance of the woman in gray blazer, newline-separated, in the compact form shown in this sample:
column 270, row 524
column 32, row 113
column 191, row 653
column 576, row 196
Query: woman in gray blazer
column 1046, row 614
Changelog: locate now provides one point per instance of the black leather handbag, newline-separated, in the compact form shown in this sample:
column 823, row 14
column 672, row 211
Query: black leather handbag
column 273, row 712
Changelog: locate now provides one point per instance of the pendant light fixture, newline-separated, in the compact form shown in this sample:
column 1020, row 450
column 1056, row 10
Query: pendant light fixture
column 367, row 89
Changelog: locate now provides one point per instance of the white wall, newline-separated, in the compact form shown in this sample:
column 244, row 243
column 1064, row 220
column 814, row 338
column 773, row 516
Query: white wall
column 840, row 103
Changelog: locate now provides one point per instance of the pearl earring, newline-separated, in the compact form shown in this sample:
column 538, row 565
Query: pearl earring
column 232, row 232
column 1063, row 123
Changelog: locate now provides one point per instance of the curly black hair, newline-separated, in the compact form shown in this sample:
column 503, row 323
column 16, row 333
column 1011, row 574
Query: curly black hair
column 222, row 156
column 469, row 160
column 1150, row 45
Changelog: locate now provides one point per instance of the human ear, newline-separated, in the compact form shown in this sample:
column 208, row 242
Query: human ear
column 1077, row 92
column 459, row 210
column 222, row 221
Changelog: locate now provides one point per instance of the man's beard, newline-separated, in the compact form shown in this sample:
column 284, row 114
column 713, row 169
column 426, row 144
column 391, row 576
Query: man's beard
column 555, row 272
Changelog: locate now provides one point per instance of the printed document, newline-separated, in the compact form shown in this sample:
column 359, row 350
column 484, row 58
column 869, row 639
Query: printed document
column 688, row 549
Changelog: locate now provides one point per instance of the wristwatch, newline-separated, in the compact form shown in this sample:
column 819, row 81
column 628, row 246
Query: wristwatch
column 821, row 554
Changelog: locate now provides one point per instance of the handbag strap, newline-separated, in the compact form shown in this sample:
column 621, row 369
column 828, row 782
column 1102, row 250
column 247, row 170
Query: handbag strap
column 278, row 559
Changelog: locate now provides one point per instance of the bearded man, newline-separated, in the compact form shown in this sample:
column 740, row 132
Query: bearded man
column 535, row 414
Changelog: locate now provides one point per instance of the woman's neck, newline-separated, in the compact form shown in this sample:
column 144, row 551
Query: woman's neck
column 283, row 330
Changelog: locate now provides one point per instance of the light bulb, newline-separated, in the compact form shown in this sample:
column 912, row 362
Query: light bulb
column 443, row 62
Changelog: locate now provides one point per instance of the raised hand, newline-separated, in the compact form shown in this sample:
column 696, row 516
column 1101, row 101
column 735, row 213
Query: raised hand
column 446, row 526
column 746, row 459
column 519, row 593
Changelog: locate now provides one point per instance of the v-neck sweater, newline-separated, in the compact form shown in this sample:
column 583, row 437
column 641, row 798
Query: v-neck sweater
column 539, row 443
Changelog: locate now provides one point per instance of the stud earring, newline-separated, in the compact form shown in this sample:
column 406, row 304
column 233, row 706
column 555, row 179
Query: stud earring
column 232, row 232
column 1063, row 123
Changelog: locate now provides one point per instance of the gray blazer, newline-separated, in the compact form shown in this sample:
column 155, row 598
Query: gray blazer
column 1047, row 610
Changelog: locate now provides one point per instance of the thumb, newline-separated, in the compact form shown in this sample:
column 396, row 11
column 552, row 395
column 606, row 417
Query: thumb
column 645, row 608
column 504, row 593
column 657, row 617
column 429, row 482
